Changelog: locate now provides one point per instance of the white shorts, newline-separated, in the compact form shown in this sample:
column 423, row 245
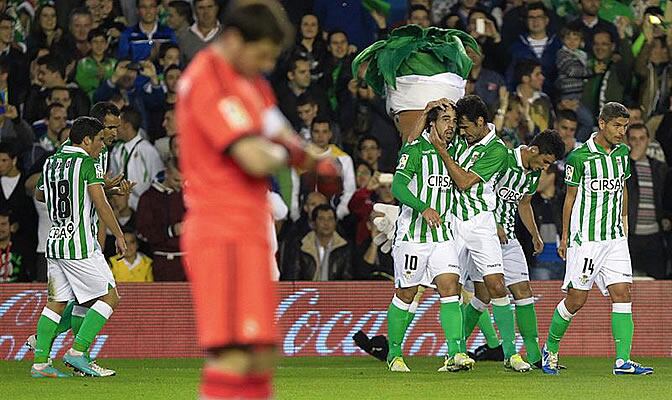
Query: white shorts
column 604, row 263
column 413, row 92
column 479, row 250
column 419, row 263
column 83, row 280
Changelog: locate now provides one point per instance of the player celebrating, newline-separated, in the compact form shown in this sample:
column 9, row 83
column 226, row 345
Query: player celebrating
column 229, row 133
column 514, row 188
column 72, row 186
column 594, row 242
column 479, row 157
column 424, row 251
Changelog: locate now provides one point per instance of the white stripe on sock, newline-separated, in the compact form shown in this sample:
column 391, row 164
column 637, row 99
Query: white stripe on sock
column 51, row 314
column 478, row 304
column 79, row 311
column 524, row 302
column 413, row 307
column 449, row 299
column 400, row 304
column 563, row 311
column 622, row 308
column 102, row 308
column 502, row 301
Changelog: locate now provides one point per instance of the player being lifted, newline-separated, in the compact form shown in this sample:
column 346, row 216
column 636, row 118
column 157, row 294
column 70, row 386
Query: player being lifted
column 594, row 238
column 514, row 187
column 72, row 188
column 478, row 157
column 233, row 137
column 424, row 249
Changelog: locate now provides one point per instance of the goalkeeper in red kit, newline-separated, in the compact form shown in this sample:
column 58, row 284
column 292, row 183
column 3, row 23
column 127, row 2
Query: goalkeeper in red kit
column 232, row 137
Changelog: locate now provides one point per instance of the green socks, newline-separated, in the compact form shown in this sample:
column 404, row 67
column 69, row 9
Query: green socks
column 398, row 319
column 47, row 326
column 93, row 322
column 78, row 314
column 450, row 315
column 622, row 329
column 485, row 325
column 526, row 317
column 503, row 313
column 559, row 324
column 471, row 314
column 65, row 323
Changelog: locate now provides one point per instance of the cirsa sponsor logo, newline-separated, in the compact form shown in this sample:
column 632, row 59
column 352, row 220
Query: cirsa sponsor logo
column 508, row 194
column 442, row 182
column 606, row 184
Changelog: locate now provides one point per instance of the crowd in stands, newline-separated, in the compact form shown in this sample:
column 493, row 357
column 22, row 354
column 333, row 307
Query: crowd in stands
column 542, row 64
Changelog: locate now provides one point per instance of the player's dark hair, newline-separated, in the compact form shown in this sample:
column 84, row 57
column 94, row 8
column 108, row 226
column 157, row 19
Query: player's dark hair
column 320, row 120
column 163, row 49
column 368, row 137
column 258, row 20
column 102, row 109
column 536, row 6
column 637, row 126
column 85, row 127
column 96, row 32
column 53, row 62
column 523, row 68
column 471, row 107
column 432, row 116
column 9, row 148
column 613, row 110
column 318, row 209
column 336, row 32
column 183, row 9
column 549, row 142
column 568, row 115
column 131, row 116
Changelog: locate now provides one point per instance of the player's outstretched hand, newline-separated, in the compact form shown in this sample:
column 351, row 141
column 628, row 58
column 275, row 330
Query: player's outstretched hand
column 432, row 217
column 120, row 243
column 562, row 248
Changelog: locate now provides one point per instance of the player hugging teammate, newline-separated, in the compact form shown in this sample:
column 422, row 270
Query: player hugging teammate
column 461, row 192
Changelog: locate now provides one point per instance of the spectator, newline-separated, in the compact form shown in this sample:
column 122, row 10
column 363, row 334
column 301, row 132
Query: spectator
column 12, row 127
column 370, row 262
column 591, row 24
column 107, row 17
column 127, row 220
column 653, row 69
column 155, row 124
column 369, row 151
column 351, row 17
column 530, row 82
column 419, row 15
column 13, row 260
column 298, row 82
column 33, row 159
column 647, row 217
column 321, row 137
column 170, row 127
column 202, row 32
column 133, row 266
column 572, row 63
column 490, row 41
column 61, row 95
column 537, row 45
column 565, row 124
column 337, row 69
column 46, row 131
column 169, row 54
column 141, row 41
column 51, row 74
column 513, row 24
column 179, row 17
column 135, row 157
column 486, row 82
column 310, row 45
column 462, row 9
column 76, row 43
column 325, row 255
column 307, row 109
column 122, row 83
column 512, row 120
column 613, row 73
column 97, row 67
column 15, row 200
column 15, row 63
column 547, row 205
column 361, row 204
column 45, row 33
column 160, row 215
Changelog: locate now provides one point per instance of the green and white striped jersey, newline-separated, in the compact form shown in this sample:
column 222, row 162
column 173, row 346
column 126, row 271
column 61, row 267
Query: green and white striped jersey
column 66, row 176
column 103, row 157
column 511, row 185
column 484, row 158
column 600, row 177
column 430, row 183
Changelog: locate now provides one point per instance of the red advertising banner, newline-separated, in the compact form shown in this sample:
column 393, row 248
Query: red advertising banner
column 319, row 319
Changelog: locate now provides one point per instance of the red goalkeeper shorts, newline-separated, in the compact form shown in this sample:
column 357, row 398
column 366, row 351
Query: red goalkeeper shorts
column 234, row 297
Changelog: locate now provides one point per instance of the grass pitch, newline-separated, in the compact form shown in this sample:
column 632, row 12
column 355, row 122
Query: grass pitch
column 350, row 378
